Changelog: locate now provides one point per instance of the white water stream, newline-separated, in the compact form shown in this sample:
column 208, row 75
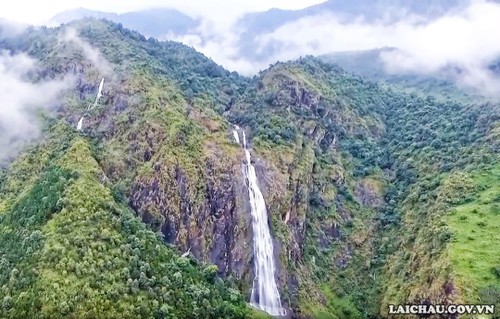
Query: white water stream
column 79, row 126
column 265, row 294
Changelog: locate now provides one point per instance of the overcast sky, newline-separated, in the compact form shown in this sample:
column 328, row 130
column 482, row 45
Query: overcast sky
column 40, row 12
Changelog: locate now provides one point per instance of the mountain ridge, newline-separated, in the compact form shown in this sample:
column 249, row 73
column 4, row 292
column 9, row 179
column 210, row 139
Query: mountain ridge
column 152, row 22
column 349, row 171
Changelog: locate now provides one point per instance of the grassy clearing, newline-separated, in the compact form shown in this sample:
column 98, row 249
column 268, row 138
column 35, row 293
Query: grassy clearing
column 474, row 251
column 334, row 307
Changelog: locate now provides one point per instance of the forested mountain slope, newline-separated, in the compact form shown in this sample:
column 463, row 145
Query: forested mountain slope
column 443, row 84
column 373, row 195
column 370, row 172
column 71, row 245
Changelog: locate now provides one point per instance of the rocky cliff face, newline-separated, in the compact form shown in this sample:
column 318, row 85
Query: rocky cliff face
column 321, row 214
column 180, row 182
column 181, row 172
column 205, row 214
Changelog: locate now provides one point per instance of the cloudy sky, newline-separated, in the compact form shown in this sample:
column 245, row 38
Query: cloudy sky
column 465, row 38
column 41, row 11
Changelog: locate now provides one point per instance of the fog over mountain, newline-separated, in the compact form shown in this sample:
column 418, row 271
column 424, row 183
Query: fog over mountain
column 20, row 98
column 429, row 36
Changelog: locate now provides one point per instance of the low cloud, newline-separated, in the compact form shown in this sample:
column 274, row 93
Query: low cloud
column 20, row 99
column 11, row 28
column 220, row 41
column 465, row 39
column 90, row 53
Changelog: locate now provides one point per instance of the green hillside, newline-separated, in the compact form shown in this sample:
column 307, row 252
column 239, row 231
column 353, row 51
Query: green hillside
column 370, row 65
column 374, row 196
column 72, row 250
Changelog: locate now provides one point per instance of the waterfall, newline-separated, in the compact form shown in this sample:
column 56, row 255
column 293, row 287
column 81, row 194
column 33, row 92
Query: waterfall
column 80, row 124
column 98, row 96
column 265, row 294
column 236, row 137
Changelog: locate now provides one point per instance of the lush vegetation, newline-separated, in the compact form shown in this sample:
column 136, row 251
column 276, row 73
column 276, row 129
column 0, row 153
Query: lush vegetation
column 70, row 250
column 375, row 196
column 474, row 223
column 432, row 146
column 85, row 253
column 375, row 182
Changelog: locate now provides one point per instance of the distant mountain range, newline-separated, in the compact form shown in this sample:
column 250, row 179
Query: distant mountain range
column 167, row 23
column 348, row 9
column 345, row 11
column 369, row 65
column 161, row 21
column 152, row 22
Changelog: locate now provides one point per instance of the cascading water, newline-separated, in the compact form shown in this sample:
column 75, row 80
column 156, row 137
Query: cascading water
column 236, row 137
column 79, row 126
column 265, row 294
